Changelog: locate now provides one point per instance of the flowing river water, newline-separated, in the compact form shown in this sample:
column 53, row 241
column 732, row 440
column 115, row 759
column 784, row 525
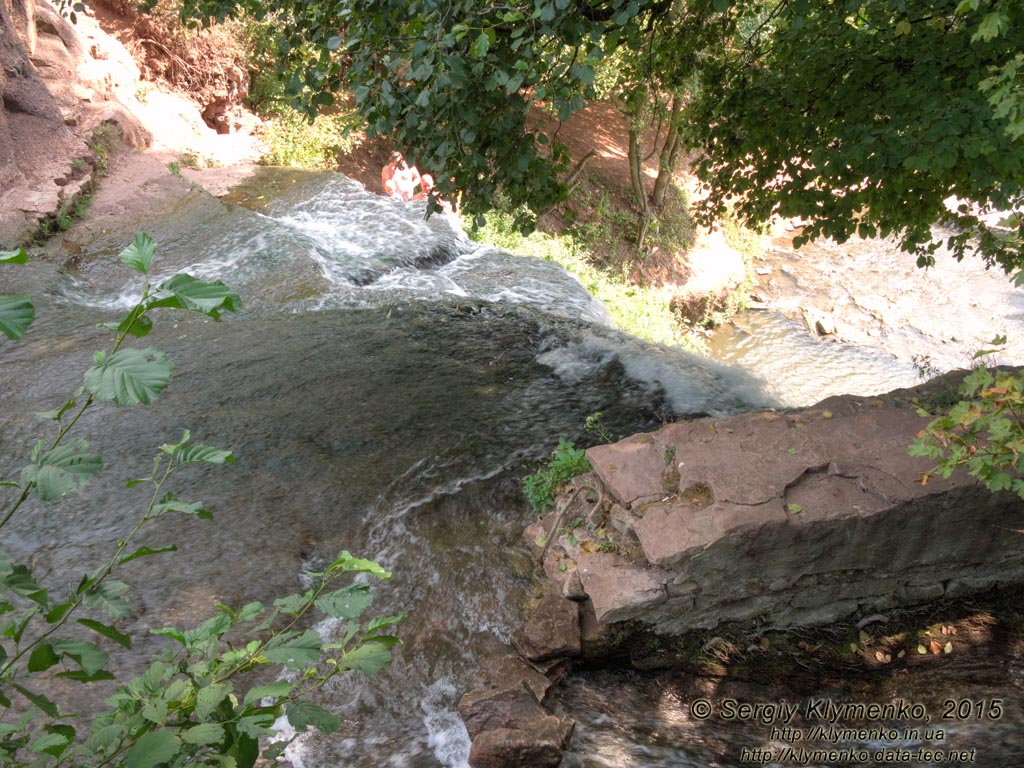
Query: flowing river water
column 382, row 389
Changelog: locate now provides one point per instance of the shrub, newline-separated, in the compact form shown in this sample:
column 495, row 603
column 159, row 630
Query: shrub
column 195, row 703
column 983, row 432
column 293, row 140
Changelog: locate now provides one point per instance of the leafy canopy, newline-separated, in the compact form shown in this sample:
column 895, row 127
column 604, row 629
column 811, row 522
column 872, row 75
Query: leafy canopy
column 865, row 117
column 860, row 116
column 451, row 83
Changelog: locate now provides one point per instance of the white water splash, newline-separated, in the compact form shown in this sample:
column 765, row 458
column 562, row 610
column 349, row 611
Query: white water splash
column 446, row 734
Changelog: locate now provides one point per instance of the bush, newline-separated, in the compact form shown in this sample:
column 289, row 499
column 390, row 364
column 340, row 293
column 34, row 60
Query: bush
column 196, row 703
column 293, row 140
column 983, row 432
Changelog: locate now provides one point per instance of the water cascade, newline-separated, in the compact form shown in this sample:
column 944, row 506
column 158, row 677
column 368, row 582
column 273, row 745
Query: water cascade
column 382, row 389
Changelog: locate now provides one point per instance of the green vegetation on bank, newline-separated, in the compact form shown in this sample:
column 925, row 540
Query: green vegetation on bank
column 644, row 312
column 597, row 248
column 291, row 137
column 566, row 462
column 293, row 140
column 105, row 139
column 983, row 430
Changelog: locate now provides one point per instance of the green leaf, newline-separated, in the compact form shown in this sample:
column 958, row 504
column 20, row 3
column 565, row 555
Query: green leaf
column 794, row 509
column 172, row 448
column 19, row 580
column 213, row 627
column 210, row 297
column 481, row 45
column 171, row 632
column 250, row 611
column 86, row 677
column 38, row 699
column 155, row 711
column 109, row 595
column 209, row 698
column 19, row 256
column 16, row 315
column 139, row 255
column 100, row 740
column 68, row 405
column 347, row 563
column 170, row 504
column 333, row 43
column 276, row 689
column 297, row 652
column 89, row 657
column 130, row 377
column 369, row 658
column 246, row 750
column 152, row 749
column 383, row 621
column 51, row 744
column 291, row 604
column 347, row 603
column 205, row 453
column 138, row 325
column 109, row 632
column 992, row 26
column 204, row 733
column 146, row 552
column 64, row 469
column 58, row 612
column 42, row 658
column 302, row 714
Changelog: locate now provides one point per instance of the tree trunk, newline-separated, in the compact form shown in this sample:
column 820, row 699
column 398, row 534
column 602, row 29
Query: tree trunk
column 667, row 158
column 636, row 175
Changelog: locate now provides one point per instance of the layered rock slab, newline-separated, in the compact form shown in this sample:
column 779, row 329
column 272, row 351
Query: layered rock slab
column 797, row 518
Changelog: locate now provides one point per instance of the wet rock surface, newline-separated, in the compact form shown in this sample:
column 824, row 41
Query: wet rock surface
column 503, row 713
column 869, row 293
column 551, row 632
column 539, row 745
column 36, row 147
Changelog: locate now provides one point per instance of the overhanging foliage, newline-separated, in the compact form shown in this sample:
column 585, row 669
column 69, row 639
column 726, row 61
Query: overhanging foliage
column 860, row 116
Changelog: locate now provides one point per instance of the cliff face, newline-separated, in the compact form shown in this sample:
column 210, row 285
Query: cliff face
column 35, row 146
column 55, row 89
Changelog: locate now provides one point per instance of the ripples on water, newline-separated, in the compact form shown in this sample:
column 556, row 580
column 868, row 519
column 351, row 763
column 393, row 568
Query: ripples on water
column 801, row 370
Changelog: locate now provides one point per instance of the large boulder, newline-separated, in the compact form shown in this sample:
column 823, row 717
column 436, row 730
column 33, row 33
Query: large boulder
column 552, row 630
column 513, row 707
column 798, row 518
column 56, row 87
column 538, row 745
column 36, row 147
